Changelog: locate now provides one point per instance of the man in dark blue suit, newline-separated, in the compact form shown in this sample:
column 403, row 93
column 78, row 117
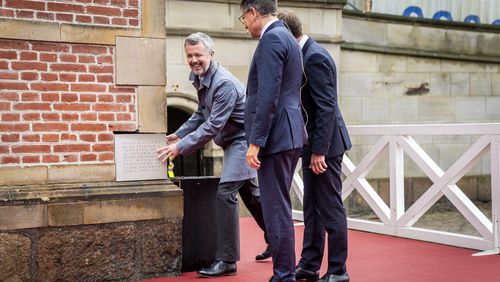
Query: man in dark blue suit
column 274, row 125
column 321, row 162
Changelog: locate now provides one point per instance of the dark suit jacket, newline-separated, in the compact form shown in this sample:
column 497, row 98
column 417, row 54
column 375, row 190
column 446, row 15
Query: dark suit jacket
column 273, row 117
column 325, row 125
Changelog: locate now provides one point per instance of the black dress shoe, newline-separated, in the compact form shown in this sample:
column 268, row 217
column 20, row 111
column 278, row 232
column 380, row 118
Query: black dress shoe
column 335, row 278
column 304, row 274
column 218, row 268
column 265, row 254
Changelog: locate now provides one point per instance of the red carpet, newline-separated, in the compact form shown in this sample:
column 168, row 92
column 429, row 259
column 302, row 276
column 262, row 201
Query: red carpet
column 372, row 258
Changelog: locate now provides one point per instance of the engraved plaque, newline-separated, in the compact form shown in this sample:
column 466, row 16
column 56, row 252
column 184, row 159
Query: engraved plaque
column 135, row 156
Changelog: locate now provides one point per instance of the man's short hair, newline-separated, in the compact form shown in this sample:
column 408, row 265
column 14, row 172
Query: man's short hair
column 200, row 37
column 292, row 21
column 264, row 7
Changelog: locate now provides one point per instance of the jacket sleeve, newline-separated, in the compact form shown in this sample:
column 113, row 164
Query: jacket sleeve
column 223, row 105
column 269, row 62
column 191, row 124
column 322, row 80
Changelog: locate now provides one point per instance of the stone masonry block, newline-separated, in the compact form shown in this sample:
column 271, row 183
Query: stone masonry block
column 94, row 34
column 81, row 173
column 65, row 214
column 15, row 258
column 364, row 32
column 95, row 253
column 480, row 84
column 140, row 61
column 29, row 30
column 23, row 175
column 20, row 217
column 153, row 18
column 182, row 13
column 152, row 101
column 358, row 62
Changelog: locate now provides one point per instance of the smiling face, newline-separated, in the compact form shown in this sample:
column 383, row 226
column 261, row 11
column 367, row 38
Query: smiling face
column 198, row 58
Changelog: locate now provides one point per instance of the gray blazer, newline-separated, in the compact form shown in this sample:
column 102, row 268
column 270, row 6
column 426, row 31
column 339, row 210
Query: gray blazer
column 221, row 103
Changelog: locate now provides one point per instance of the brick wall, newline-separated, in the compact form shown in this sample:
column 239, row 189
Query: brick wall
column 59, row 105
column 120, row 13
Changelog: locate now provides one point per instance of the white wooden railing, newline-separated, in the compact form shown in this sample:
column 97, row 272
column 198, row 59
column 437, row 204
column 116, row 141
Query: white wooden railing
column 396, row 140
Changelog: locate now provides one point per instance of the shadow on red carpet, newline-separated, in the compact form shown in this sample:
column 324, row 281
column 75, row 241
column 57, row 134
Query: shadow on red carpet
column 372, row 258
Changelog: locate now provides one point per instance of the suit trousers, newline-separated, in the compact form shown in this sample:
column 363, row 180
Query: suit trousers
column 275, row 179
column 324, row 211
column 227, row 212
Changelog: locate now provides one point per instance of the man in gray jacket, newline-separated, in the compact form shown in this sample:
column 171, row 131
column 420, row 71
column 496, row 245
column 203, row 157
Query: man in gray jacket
column 219, row 116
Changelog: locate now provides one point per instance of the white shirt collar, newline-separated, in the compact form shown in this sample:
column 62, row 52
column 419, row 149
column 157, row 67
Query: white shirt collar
column 303, row 41
column 269, row 23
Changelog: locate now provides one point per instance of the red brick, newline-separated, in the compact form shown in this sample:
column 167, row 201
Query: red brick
column 9, row 55
column 106, row 98
column 29, row 76
column 131, row 108
column 5, row 106
column 50, row 138
column 88, row 87
column 122, row 127
column 123, row 117
column 69, row 117
column 72, row 148
column 86, row 78
column 103, row 147
column 24, row 4
column 88, row 97
column 67, row 77
column 101, row 69
column 130, row 13
column 50, row 127
column 64, row 17
column 31, row 138
column 31, row 116
column 101, row 2
column 67, row 58
column 68, row 137
column 89, row 49
column 9, row 96
column 83, row 19
column 105, row 137
column 4, row 149
column 133, row 22
column 119, row 21
column 53, row 47
column 88, row 127
column 16, row 127
column 45, row 16
column 123, row 98
column 50, row 97
column 9, row 75
column 11, row 117
column 88, row 116
column 29, row 66
column 133, row 3
column 70, row 158
column 84, row 1
column 14, row 44
column 10, row 160
column 31, row 159
column 68, row 67
column 50, row 159
column 108, row 108
column 119, row 3
column 69, row 97
column 11, row 138
column 105, row 59
column 31, row 149
column 88, row 157
column 106, row 117
column 4, row 65
column 65, row 8
column 100, row 20
column 29, row 56
column 88, row 137
column 51, row 117
column 49, row 77
column 30, row 96
column 71, row 107
column 48, row 57
column 106, row 157
column 86, row 59
column 13, row 86
column 120, row 89
column 6, row 13
column 32, row 106
column 105, row 11
column 49, row 86
column 25, row 14
column 105, row 78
